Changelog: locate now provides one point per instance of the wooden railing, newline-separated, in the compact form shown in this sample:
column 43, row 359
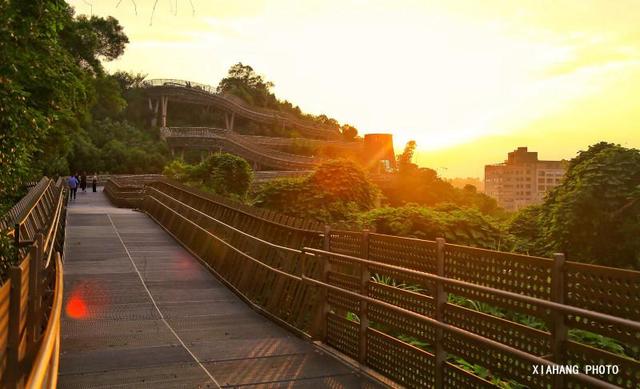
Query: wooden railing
column 128, row 191
column 415, row 311
column 31, row 298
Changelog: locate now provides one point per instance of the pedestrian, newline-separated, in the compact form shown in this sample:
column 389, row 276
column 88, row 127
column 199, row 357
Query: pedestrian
column 94, row 181
column 83, row 182
column 72, row 181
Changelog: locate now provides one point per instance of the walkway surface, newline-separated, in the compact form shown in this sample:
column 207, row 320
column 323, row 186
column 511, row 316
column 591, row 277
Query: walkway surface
column 141, row 312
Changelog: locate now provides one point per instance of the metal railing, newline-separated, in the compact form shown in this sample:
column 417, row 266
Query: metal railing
column 393, row 303
column 235, row 104
column 232, row 142
column 31, row 299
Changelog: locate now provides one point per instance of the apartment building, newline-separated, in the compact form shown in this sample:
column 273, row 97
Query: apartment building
column 522, row 179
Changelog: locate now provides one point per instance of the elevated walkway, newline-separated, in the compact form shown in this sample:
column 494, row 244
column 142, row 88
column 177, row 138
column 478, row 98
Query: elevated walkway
column 140, row 311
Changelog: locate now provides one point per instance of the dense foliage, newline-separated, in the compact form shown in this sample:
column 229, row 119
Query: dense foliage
column 336, row 191
column 59, row 111
column 222, row 173
column 593, row 216
column 465, row 226
column 413, row 184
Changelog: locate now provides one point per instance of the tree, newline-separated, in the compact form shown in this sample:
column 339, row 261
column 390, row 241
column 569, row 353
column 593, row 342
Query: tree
column 405, row 159
column 49, row 60
column 349, row 132
column 90, row 39
column 594, row 215
column 244, row 82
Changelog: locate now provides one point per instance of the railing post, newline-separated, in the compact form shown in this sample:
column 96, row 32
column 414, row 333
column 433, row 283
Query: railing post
column 364, row 309
column 35, row 295
column 16, row 236
column 440, row 302
column 559, row 327
column 325, row 268
column 13, row 341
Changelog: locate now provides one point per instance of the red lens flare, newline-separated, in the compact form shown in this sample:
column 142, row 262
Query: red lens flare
column 76, row 308
column 87, row 300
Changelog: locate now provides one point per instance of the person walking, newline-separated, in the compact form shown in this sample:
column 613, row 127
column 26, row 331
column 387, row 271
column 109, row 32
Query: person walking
column 72, row 181
column 83, row 182
column 94, row 182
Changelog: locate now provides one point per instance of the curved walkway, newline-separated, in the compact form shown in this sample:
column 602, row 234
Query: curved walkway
column 140, row 311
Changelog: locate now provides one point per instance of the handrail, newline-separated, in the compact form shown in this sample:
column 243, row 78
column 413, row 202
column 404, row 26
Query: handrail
column 233, row 102
column 229, row 141
column 454, row 330
column 44, row 373
column 251, row 270
column 30, row 299
column 520, row 297
column 225, row 225
column 209, row 197
column 48, row 246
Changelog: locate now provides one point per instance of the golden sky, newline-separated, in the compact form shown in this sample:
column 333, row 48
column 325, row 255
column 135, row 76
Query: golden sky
column 469, row 80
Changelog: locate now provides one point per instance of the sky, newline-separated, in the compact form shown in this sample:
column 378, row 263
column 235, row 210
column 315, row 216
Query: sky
column 467, row 80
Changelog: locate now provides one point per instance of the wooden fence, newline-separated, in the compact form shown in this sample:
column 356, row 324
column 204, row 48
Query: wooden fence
column 423, row 313
column 31, row 299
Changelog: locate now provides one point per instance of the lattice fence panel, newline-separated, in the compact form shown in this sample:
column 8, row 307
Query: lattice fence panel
column 521, row 274
column 603, row 289
column 455, row 377
column 343, row 335
column 412, row 301
column 582, row 355
column 424, row 285
column 390, row 321
column 499, row 363
column 346, row 242
column 407, row 365
column 341, row 300
column 504, row 331
column 411, row 253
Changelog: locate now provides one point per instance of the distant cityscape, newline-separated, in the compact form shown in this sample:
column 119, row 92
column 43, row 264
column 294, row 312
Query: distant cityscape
column 522, row 179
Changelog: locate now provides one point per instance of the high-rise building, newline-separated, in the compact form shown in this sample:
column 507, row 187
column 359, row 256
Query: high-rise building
column 522, row 179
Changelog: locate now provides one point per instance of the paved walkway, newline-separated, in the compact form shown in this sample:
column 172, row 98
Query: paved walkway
column 141, row 312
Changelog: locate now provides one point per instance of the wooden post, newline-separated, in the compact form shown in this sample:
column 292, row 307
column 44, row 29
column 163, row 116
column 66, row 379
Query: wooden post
column 13, row 341
column 33, row 320
column 16, row 236
column 440, row 301
column 320, row 332
column 558, row 327
column 364, row 311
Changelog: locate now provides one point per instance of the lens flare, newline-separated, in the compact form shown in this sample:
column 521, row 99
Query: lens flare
column 76, row 308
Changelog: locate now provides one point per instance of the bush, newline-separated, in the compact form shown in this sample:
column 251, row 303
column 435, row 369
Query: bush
column 465, row 226
column 222, row 173
column 335, row 192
